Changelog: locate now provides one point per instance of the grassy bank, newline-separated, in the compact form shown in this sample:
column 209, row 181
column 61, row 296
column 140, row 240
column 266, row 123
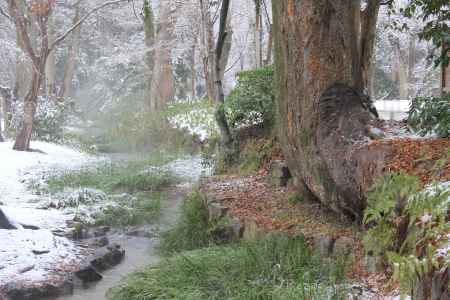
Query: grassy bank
column 275, row 268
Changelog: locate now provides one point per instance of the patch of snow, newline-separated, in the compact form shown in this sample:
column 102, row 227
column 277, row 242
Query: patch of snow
column 190, row 168
column 34, row 255
column 16, row 167
column 393, row 109
column 26, row 255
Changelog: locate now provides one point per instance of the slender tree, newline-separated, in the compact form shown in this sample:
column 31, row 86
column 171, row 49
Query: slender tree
column 69, row 67
column 149, row 31
column 40, row 11
column 225, row 134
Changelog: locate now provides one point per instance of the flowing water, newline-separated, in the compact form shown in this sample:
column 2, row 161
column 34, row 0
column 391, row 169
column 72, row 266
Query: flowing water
column 140, row 252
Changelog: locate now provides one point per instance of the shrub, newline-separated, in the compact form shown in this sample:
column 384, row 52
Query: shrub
column 430, row 115
column 277, row 267
column 252, row 100
column 409, row 227
column 128, row 127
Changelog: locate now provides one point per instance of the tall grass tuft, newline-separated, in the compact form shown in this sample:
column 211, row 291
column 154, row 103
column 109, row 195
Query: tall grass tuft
column 192, row 230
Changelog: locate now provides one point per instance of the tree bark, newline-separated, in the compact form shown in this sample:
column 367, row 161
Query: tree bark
column 368, row 33
column 258, row 34
column 225, row 134
column 411, row 65
column 7, row 95
column 22, row 142
column 69, row 68
column 445, row 78
column 23, row 69
column 149, row 30
column 207, row 41
column 162, row 85
column 321, row 112
column 50, row 67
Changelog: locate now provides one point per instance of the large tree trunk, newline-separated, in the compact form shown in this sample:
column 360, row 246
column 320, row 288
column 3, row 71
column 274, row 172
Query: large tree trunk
column 322, row 114
column 162, row 84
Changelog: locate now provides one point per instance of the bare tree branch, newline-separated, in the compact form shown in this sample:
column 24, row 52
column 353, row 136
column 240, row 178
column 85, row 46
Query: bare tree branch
column 3, row 12
column 81, row 21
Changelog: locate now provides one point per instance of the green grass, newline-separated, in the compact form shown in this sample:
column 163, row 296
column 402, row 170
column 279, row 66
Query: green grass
column 143, row 209
column 192, row 230
column 127, row 176
column 277, row 267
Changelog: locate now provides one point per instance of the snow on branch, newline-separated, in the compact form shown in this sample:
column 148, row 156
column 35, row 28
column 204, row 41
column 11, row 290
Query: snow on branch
column 84, row 18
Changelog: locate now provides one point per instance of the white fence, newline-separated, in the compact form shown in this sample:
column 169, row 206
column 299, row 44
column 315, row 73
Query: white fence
column 393, row 109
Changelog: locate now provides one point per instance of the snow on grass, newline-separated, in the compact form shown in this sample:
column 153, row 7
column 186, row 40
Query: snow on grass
column 26, row 255
column 17, row 167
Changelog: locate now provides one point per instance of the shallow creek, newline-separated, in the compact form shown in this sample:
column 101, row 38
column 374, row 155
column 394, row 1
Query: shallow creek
column 141, row 252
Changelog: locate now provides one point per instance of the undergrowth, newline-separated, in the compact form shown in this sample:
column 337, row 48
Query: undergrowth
column 192, row 230
column 127, row 176
column 409, row 227
column 277, row 267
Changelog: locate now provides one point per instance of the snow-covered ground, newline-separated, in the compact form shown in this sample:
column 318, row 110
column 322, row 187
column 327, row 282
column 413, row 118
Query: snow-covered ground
column 393, row 109
column 37, row 255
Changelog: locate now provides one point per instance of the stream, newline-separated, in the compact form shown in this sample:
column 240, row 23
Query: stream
column 139, row 251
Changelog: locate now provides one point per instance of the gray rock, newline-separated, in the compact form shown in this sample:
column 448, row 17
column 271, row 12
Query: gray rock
column 26, row 269
column 228, row 232
column 279, row 173
column 107, row 257
column 343, row 246
column 4, row 221
column 323, row 244
column 40, row 252
column 23, row 291
column 88, row 273
column 216, row 210
column 142, row 232
column 375, row 133
column 373, row 263
column 98, row 242
column 31, row 227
